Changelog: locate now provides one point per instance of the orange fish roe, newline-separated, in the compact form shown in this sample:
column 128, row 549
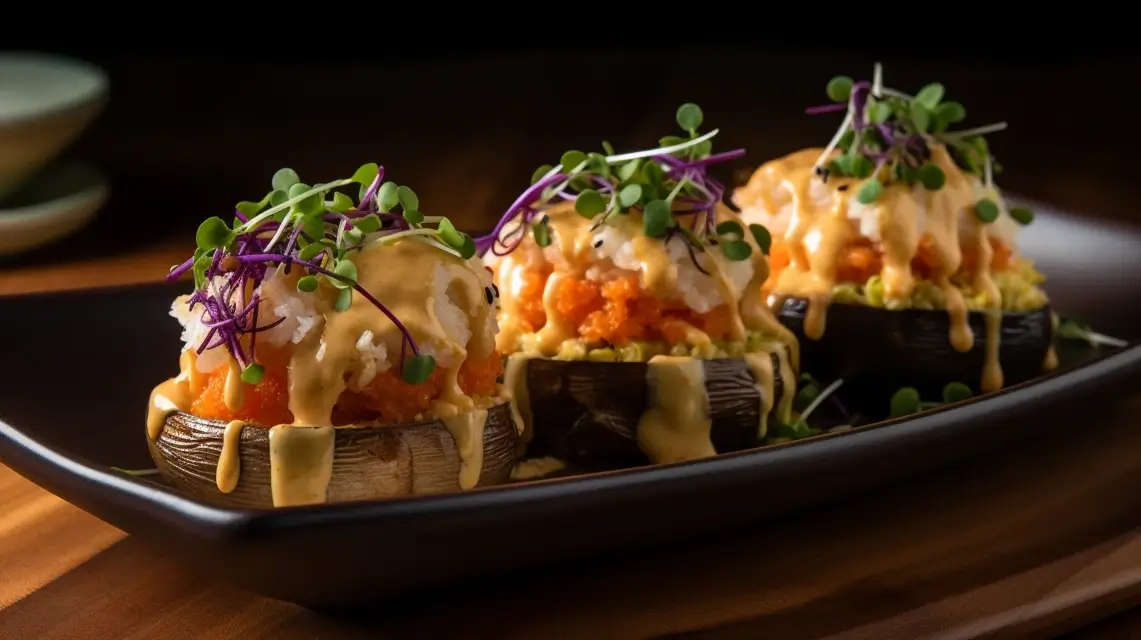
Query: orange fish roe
column 861, row 260
column 387, row 399
column 529, row 303
column 265, row 403
column 618, row 311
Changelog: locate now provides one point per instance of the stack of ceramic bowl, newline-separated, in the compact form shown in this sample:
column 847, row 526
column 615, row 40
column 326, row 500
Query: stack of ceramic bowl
column 46, row 101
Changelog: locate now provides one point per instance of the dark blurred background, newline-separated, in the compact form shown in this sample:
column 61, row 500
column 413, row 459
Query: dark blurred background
column 193, row 127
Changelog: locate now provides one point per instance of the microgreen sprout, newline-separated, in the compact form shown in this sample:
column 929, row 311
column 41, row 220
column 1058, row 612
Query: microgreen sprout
column 1069, row 329
column 906, row 401
column 316, row 229
column 664, row 184
column 886, row 136
column 811, row 397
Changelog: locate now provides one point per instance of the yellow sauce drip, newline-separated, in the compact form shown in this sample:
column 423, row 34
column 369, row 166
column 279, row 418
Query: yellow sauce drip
column 761, row 366
column 788, row 390
column 230, row 459
column 1051, row 361
column 820, row 229
column 467, row 430
column 300, row 464
column 234, row 394
column 536, row 468
column 515, row 391
column 676, row 425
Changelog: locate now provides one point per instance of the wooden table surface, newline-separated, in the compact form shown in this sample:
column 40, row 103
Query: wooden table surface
column 1033, row 540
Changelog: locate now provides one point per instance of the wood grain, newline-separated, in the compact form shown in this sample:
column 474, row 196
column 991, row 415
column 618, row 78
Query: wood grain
column 1032, row 541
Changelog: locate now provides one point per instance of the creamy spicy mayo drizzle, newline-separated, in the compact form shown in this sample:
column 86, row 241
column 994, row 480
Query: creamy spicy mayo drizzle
column 821, row 228
column 676, row 424
column 405, row 277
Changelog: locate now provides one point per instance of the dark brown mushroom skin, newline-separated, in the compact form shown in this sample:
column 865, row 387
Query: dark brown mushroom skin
column 587, row 413
column 877, row 351
column 369, row 462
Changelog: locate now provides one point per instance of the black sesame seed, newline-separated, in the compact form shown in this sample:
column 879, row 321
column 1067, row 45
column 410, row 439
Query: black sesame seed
column 496, row 290
column 713, row 241
column 598, row 243
column 843, row 187
column 487, row 292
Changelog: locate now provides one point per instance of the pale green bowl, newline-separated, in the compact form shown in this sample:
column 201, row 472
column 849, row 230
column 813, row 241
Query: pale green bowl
column 46, row 101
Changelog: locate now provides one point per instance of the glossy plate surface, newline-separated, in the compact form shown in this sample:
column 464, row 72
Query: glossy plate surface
column 79, row 367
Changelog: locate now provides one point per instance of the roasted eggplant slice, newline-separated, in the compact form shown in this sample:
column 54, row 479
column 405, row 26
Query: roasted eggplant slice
column 877, row 351
column 368, row 463
column 588, row 413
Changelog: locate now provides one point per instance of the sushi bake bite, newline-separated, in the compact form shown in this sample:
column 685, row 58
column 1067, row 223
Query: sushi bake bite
column 895, row 257
column 334, row 350
column 631, row 308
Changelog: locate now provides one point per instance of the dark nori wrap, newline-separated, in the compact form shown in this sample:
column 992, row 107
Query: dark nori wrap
column 877, row 351
column 588, row 412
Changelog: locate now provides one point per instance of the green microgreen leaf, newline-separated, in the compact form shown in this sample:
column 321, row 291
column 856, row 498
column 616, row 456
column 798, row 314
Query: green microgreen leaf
column 596, row 164
column 344, row 299
column 629, row 169
column 253, row 373
column 571, row 160
column 731, row 229
column 277, row 197
column 353, row 236
column 367, row 224
column 347, row 272
column 365, row 174
column 540, row 173
column 311, row 251
column 956, row 392
column 737, row 250
column 251, row 209
column 387, row 196
column 311, row 206
column 417, row 369
column 669, row 141
column 762, row 237
column 932, row 177
column 879, row 112
column 986, row 210
column 930, row 95
column 341, row 203
column 1022, row 215
column 608, row 148
column 840, row 88
column 1070, row 329
column 657, row 218
column 449, row 235
column 805, row 396
column 213, row 233
column 312, row 226
column 920, row 117
column 689, row 117
column 629, row 195
column 542, row 232
column 870, row 191
column 407, row 198
column 296, row 189
column 284, row 179
column 468, row 249
column 861, row 166
column 951, row 112
column 307, row 284
column 904, row 402
column 200, row 266
column 589, row 203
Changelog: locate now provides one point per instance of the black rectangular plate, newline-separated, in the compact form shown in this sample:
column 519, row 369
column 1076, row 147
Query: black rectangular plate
column 78, row 368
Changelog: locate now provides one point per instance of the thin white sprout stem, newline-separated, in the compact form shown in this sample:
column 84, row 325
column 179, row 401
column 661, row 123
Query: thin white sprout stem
column 819, row 399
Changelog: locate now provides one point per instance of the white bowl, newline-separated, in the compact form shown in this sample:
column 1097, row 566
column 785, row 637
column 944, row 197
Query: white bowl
column 45, row 103
column 54, row 204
